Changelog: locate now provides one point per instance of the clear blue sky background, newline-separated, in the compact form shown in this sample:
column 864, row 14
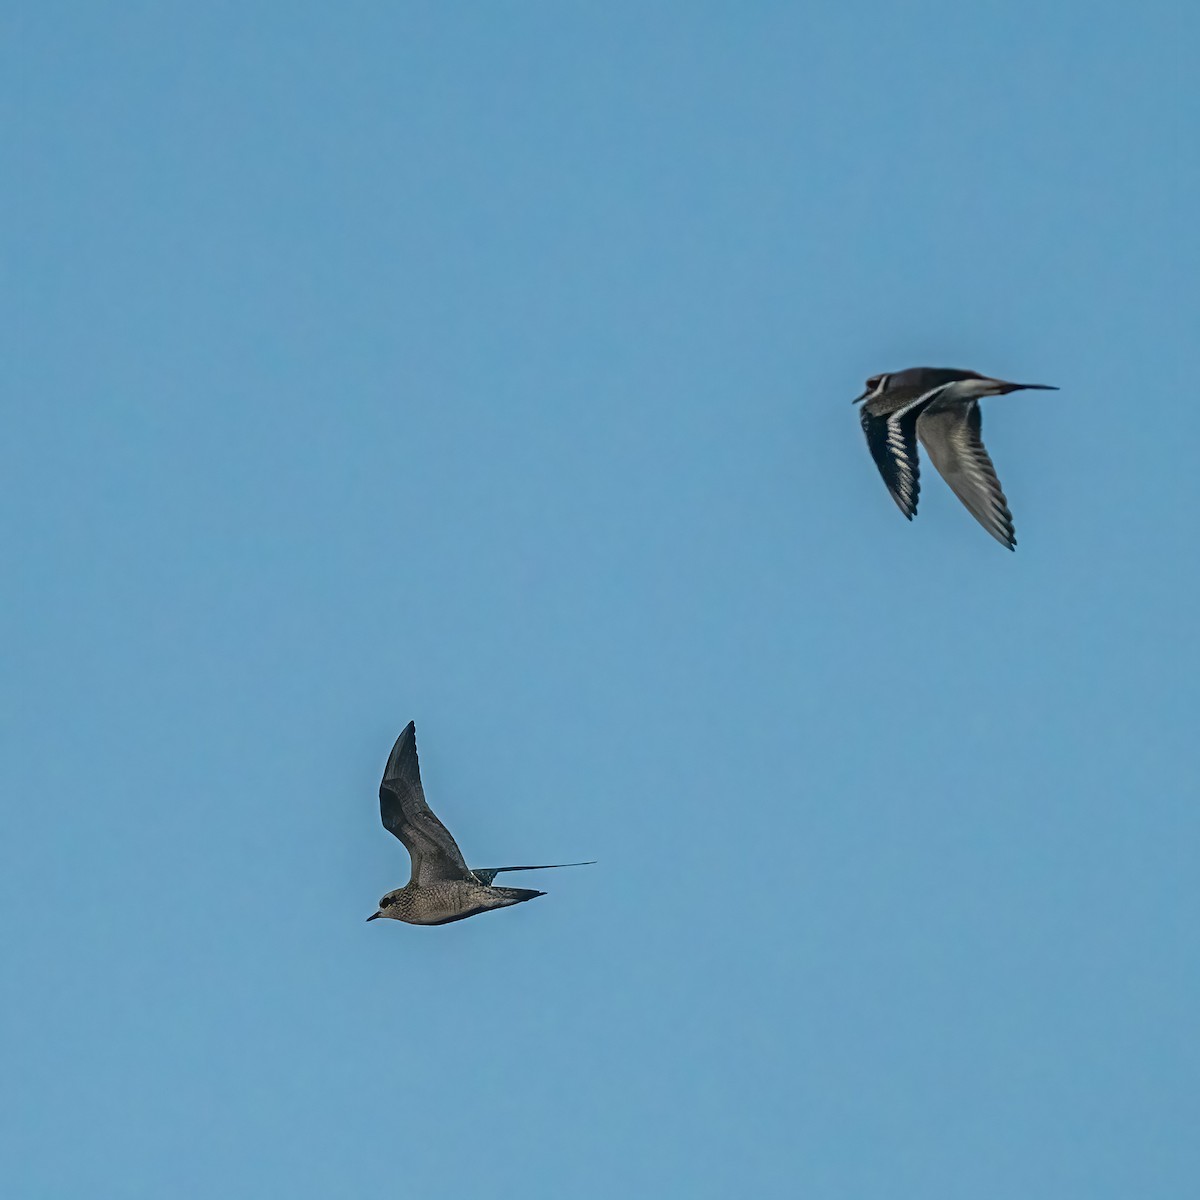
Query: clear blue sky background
column 491, row 365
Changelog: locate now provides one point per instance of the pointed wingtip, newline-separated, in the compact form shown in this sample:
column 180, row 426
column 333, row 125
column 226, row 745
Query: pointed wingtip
column 403, row 758
column 408, row 737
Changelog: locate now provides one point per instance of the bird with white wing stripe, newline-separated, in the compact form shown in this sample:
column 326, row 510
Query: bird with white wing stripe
column 939, row 406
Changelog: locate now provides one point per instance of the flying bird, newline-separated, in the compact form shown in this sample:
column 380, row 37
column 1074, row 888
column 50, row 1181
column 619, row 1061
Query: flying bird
column 442, row 888
column 939, row 406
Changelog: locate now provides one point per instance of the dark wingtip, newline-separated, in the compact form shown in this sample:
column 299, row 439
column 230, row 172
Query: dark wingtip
column 408, row 737
column 401, row 763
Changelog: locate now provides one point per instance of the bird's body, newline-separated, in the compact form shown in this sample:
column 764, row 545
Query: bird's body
column 939, row 406
column 442, row 888
column 450, row 900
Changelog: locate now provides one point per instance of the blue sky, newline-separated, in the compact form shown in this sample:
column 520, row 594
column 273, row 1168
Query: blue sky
column 490, row 365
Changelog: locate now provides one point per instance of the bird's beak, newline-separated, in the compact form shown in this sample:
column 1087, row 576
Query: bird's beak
column 374, row 915
column 1001, row 387
column 860, row 399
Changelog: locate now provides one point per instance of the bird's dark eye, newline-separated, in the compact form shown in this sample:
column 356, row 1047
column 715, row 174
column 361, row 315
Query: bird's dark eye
column 385, row 902
column 877, row 383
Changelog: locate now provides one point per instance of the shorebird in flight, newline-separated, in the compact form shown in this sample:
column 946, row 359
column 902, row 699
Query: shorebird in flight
column 442, row 888
column 940, row 406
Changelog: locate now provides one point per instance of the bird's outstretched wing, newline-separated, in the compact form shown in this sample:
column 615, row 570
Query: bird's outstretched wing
column 892, row 440
column 952, row 435
column 435, row 854
column 487, row 874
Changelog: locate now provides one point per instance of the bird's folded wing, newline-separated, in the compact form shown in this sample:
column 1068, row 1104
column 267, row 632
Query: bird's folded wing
column 435, row 854
column 952, row 435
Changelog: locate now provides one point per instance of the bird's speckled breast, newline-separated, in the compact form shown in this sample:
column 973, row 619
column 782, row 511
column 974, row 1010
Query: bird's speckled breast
column 439, row 903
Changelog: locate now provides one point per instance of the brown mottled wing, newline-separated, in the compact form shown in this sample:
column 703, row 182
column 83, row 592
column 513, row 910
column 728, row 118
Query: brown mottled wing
column 435, row 855
column 952, row 435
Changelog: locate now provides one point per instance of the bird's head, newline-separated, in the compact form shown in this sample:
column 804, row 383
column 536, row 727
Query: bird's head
column 876, row 386
column 386, row 908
